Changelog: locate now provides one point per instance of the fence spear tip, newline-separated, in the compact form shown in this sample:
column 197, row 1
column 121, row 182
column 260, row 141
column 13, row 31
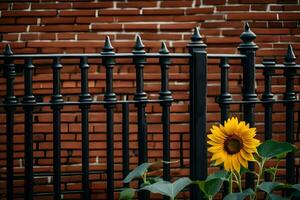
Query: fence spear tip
column 139, row 43
column 107, row 45
column 196, row 35
column 247, row 27
column 163, row 49
column 290, row 56
column 7, row 50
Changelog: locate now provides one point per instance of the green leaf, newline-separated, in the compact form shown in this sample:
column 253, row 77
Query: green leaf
column 239, row 195
column 270, row 149
column 268, row 187
column 296, row 194
column 212, row 187
column 138, row 172
column 276, row 197
column 213, row 183
column 296, row 186
column 127, row 194
column 248, row 192
column 223, row 175
column 235, row 196
column 168, row 189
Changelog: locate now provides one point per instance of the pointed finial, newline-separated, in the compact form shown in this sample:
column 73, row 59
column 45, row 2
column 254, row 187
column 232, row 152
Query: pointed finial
column 196, row 37
column 163, row 49
column 139, row 46
column 290, row 56
column 247, row 27
column 107, row 45
column 7, row 50
column 247, row 37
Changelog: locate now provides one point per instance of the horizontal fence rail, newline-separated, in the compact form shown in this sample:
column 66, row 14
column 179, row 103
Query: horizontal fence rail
column 196, row 59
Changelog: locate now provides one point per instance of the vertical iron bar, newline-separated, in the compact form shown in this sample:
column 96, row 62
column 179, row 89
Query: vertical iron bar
column 198, row 92
column 289, row 96
column 10, row 74
column 248, row 48
column 84, row 98
column 267, row 96
column 141, row 97
column 110, row 99
column 225, row 95
column 125, row 140
column 28, row 98
column 166, row 96
column 56, row 99
column 223, row 99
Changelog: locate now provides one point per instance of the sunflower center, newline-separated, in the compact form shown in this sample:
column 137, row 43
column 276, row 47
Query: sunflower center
column 233, row 144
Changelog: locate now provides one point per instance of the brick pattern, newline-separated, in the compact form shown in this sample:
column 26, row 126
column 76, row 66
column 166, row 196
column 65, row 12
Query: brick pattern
column 80, row 26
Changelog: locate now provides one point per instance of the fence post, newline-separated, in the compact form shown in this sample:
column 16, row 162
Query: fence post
column 248, row 48
column 110, row 98
column 289, row 97
column 10, row 74
column 198, row 93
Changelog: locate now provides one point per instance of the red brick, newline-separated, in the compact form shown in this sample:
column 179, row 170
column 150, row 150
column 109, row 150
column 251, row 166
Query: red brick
column 4, row 6
column 257, row 2
column 58, row 20
column 214, row 2
column 88, row 20
column 177, row 26
column 10, row 37
column 258, row 7
column 249, row 16
column 28, row 13
column 65, row 36
column 208, row 10
column 21, row 6
column 222, row 24
column 92, row 36
column 7, row 29
column 171, row 4
column 75, row 13
column 59, row 28
column 119, row 12
column 59, row 5
column 168, row 36
column 144, row 18
column 138, row 27
column 47, row 36
column 7, row 21
column 163, row 12
column 289, row 16
column 107, row 27
column 137, row 4
column 92, row 5
column 63, row 44
column 29, row 36
column 233, row 8
column 26, row 21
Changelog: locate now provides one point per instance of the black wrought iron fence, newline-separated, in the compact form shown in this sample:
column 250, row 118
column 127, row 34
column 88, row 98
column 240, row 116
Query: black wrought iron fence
column 197, row 57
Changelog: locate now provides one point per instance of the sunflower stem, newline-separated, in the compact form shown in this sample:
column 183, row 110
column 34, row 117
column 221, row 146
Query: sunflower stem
column 260, row 173
column 275, row 171
column 230, row 183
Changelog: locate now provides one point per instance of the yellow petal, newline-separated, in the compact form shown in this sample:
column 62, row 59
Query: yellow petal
column 235, row 163
column 243, row 162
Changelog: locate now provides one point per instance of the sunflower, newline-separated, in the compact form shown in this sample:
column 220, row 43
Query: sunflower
column 233, row 144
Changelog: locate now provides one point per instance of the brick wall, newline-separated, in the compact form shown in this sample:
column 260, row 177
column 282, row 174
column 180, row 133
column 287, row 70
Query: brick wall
column 39, row 26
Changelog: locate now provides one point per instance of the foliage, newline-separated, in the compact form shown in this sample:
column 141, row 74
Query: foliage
column 236, row 168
